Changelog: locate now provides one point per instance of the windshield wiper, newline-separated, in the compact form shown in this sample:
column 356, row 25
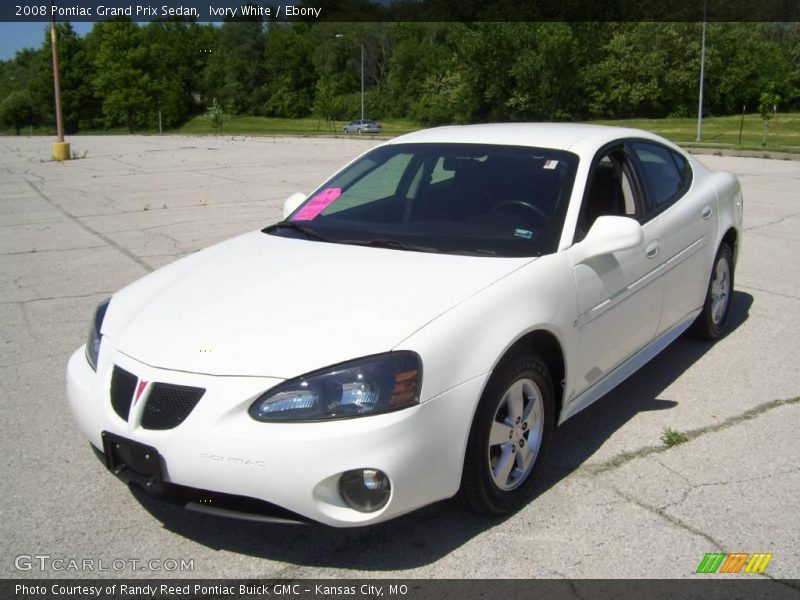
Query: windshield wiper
column 308, row 232
column 391, row 244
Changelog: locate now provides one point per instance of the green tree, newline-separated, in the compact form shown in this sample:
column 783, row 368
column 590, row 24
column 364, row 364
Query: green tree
column 17, row 110
column 325, row 104
column 178, row 53
column 744, row 59
column 235, row 74
column 123, row 78
column 290, row 72
column 546, row 72
column 419, row 53
column 80, row 107
column 216, row 116
column 645, row 69
column 767, row 106
column 22, row 75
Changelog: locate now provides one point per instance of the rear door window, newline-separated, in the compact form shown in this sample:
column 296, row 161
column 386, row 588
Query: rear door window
column 665, row 175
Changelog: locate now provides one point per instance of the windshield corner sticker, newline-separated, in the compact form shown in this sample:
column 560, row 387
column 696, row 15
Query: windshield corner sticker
column 550, row 164
column 317, row 204
column 523, row 233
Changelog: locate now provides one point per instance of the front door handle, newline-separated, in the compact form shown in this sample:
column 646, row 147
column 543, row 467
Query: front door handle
column 707, row 212
column 652, row 249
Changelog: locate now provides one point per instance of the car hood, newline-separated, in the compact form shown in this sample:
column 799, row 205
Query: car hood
column 262, row 305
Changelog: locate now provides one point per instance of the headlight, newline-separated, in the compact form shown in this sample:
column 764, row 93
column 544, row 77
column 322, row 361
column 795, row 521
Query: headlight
column 367, row 386
column 93, row 343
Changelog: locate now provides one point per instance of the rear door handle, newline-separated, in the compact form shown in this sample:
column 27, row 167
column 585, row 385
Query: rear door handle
column 707, row 212
column 652, row 249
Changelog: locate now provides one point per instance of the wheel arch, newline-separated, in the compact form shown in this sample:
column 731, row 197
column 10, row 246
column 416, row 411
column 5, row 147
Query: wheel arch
column 731, row 238
column 546, row 346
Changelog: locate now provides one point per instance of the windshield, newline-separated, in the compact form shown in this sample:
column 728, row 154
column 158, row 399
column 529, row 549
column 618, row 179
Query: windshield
column 449, row 198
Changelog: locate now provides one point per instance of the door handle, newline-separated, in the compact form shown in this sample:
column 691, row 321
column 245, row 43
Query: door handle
column 707, row 212
column 652, row 249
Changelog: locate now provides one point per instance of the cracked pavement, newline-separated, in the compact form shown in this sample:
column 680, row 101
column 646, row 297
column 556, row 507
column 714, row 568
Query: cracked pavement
column 612, row 502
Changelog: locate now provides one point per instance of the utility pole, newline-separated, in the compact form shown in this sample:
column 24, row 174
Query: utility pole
column 362, row 81
column 60, row 147
column 702, row 77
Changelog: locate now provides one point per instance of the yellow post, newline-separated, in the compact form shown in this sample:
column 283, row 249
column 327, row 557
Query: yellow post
column 60, row 147
column 61, row 151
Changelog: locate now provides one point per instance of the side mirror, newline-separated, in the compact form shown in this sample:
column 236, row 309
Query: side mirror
column 608, row 235
column 292, row 202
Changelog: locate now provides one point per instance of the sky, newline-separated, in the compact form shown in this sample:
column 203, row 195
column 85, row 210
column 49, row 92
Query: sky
column 16, row 36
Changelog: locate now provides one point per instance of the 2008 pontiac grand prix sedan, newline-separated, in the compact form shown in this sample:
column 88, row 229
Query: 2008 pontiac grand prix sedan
column 415, row 329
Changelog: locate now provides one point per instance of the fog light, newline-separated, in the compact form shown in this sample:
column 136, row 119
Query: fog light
column 365, row 490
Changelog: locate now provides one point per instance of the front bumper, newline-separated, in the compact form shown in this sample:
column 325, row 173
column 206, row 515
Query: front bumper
column 296, row 466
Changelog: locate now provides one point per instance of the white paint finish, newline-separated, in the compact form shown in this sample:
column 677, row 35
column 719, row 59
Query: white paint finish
column 689, row 248
column 262, row 305
column 287, row 461
column 244, row 314
column 619, row 306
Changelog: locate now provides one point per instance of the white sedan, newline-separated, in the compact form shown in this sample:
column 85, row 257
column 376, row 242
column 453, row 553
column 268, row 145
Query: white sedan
column 413, row 330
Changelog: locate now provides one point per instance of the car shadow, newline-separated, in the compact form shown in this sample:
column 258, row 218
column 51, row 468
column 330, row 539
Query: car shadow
column 430, row 533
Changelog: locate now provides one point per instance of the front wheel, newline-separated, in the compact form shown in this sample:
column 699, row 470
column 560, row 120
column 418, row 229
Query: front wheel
column 710, row 323
column 510, row 436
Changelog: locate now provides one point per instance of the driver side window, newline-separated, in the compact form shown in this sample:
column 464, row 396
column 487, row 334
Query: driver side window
column 610, row 192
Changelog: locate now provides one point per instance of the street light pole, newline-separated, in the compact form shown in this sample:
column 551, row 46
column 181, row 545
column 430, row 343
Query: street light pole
column 702, row 77
column 362, row 81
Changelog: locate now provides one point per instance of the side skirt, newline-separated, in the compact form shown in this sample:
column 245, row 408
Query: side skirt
column 626, row 369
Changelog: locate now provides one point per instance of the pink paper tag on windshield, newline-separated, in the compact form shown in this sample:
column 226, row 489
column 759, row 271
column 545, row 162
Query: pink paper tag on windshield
column 317, row 204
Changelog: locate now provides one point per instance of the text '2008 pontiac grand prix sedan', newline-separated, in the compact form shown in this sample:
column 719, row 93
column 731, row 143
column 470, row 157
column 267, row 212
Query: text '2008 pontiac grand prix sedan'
column 415, row 329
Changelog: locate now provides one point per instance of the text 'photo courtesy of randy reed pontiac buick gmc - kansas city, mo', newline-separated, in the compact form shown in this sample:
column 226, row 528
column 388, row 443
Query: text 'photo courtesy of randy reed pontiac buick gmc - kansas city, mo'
column 412, row 330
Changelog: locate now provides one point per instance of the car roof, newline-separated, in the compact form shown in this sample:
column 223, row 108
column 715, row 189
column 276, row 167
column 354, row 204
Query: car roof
column 576, row 137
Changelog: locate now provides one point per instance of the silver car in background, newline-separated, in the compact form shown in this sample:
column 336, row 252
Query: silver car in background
column 363, row 126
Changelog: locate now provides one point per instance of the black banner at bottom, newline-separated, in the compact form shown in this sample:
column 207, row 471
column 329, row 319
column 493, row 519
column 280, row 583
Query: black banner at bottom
column 398, row 589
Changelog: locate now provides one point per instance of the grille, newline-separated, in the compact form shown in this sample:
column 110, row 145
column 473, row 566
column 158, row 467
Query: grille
column 123, row 385
column 168, row 405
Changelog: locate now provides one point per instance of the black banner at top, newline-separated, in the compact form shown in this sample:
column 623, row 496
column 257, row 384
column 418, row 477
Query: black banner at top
column 402, row 10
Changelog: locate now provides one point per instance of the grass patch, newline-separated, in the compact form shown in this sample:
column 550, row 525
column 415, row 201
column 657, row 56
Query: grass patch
column 274, row 126
column 670, row 437
column 721, row 133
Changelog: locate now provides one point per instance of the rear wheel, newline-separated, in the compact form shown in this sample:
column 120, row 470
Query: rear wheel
column 510, row 436
column 710, row 323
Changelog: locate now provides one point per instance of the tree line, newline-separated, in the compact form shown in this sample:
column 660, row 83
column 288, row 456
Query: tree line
column 122, row 74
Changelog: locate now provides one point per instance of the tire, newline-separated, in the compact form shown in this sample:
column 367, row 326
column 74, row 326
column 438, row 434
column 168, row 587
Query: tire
column 359, row 130
column 346, row 130
column 485, row 486
column 710, row 323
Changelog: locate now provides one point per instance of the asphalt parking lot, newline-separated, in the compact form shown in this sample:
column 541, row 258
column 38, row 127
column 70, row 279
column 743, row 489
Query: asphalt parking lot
column 613, row 501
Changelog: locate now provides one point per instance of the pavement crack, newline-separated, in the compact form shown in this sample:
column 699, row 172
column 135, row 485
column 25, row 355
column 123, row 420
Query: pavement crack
column 88, row 229
column 159, row 226
column 671, row 519
column 693, row 434
column 746, row 287
column 676, row 473
column 60, row 250
column 775, row 222
column 698, row 486
column 49, row 298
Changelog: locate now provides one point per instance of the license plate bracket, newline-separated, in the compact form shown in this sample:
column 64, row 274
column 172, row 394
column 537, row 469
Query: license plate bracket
column 133, row 462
